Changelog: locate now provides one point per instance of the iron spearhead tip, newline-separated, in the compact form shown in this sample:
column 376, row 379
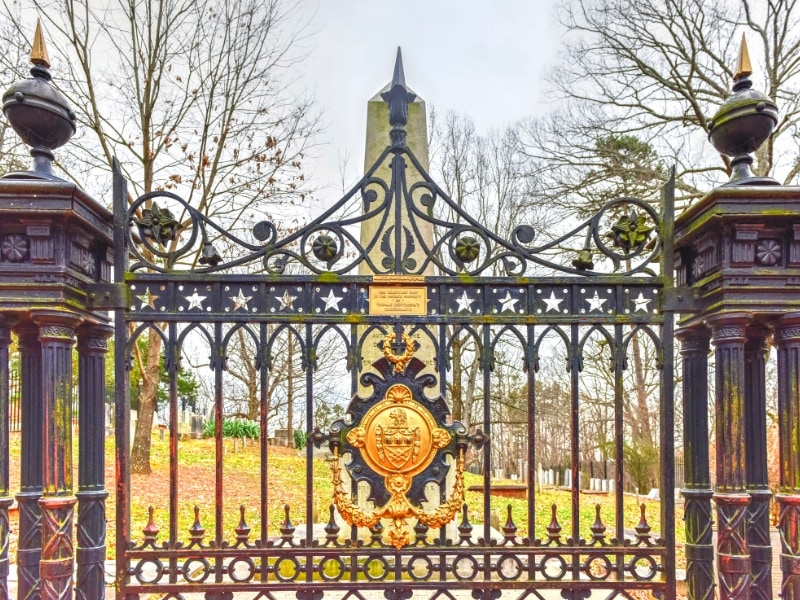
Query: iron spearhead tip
column 399, row 77
column 39, row 54
column 398, row 98
column 743, row 66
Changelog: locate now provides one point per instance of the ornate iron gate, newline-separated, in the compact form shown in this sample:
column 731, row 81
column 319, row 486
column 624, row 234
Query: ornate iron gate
column 405, row 523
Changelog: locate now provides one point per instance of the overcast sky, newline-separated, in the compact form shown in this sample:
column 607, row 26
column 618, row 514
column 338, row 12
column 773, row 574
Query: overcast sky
column 481, row 58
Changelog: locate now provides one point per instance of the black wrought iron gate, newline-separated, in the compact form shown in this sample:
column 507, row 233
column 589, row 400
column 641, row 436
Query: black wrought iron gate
column 391, row 500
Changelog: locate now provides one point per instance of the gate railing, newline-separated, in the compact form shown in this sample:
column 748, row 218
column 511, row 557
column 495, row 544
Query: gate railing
column 523, row 297
column 577, row 292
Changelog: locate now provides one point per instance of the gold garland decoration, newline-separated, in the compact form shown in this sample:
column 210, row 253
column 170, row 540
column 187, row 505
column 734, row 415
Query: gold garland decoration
column 349, row 511
column 399, row 362
column 398, row 509
column 445, row 513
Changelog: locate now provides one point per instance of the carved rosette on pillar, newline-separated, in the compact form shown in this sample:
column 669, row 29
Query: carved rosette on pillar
column 787, row 340
column 697, row 492
column 728, row 334
column 57, row 336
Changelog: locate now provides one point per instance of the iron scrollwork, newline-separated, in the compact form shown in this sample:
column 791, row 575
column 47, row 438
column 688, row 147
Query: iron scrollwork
column 622, row 237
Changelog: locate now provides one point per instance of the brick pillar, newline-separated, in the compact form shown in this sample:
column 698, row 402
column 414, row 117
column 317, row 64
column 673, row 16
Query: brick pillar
column 57, row 336
column 730, row 495
column 787, row 340
column 697, row 481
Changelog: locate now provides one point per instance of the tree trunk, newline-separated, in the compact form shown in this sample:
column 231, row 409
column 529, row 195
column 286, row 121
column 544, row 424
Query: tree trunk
column 456, row 391
column 642, row 430
column 290, row 394
column 140, row 451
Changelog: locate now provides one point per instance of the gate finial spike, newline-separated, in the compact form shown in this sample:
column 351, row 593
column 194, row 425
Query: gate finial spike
column 398, row 97
column 743, row 66
column 399, row 77
column 39, row 54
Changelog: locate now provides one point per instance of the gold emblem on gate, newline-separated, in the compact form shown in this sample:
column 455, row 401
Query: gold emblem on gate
column 398, row 438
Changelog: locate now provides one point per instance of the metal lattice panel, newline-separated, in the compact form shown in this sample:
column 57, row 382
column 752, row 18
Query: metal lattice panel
column 199, row 285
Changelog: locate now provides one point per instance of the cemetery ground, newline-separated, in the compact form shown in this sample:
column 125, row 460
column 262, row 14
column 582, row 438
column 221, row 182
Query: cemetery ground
column 242, row 483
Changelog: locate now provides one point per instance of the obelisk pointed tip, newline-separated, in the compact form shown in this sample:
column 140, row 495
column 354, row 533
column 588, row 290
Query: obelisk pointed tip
column 399, row 77
column 39, row 49
column 743, row 66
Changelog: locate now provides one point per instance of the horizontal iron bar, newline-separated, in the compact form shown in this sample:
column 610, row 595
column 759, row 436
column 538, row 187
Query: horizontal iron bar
column 679, row 299
column 108, row 296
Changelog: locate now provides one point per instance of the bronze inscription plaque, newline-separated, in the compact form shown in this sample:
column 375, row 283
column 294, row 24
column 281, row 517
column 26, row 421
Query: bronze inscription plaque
column 398, row 300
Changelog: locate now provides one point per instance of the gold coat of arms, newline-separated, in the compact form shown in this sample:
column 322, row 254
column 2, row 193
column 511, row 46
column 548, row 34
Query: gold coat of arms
column 397, row 438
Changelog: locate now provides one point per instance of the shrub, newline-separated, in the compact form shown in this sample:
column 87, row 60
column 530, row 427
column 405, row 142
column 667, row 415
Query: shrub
column 299, row 439
column 239, row 428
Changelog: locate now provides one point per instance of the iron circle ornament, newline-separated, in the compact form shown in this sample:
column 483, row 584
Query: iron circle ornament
column 509, row 567
column 159, row 224
column 286, row 568
column 331, row 568
column 241, row 569
column 467, row 248
column 553, row 566
column 631, row 234
column 420, row 568
column 324, row 247
column 141, row 571
column 196, row 574
column 265, row 232
column 598, row 567
column 465, row 567
column 376, row 568
column 643, row 567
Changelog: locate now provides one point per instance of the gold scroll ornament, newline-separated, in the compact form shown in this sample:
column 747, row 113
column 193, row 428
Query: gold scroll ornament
column 398, row 438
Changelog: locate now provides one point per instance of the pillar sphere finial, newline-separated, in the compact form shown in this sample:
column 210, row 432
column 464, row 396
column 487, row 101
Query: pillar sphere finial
column 38, row 112
column 743, row 123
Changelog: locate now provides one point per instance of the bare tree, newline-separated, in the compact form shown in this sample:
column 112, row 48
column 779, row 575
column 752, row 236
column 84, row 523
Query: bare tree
column 657, row 71
column 487, row 176
column 190, row 96
column 13, row 153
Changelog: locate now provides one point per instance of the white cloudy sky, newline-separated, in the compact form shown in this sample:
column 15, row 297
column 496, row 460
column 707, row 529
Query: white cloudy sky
column 483, row 58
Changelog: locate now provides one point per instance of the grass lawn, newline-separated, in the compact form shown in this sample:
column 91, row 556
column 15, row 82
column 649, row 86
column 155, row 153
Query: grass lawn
column 286, row 486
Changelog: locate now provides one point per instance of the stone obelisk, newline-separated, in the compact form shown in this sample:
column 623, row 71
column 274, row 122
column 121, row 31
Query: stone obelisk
column 379, row 131
column 383, row 131
column 380, row 135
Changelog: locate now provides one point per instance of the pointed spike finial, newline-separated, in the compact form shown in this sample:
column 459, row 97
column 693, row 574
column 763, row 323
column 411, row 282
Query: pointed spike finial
column 39, row 54
column 399, row 77
column 743, row 66
column 398, row 97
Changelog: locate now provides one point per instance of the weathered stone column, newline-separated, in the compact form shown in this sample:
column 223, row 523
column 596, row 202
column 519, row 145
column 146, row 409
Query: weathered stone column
column 733, row 562
column 787, row 340
column 29, row 542
column 697, row 480
column 379, row 132
column 57, row 336
column 755, row 432
column 91, row 529
column 5, row 492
